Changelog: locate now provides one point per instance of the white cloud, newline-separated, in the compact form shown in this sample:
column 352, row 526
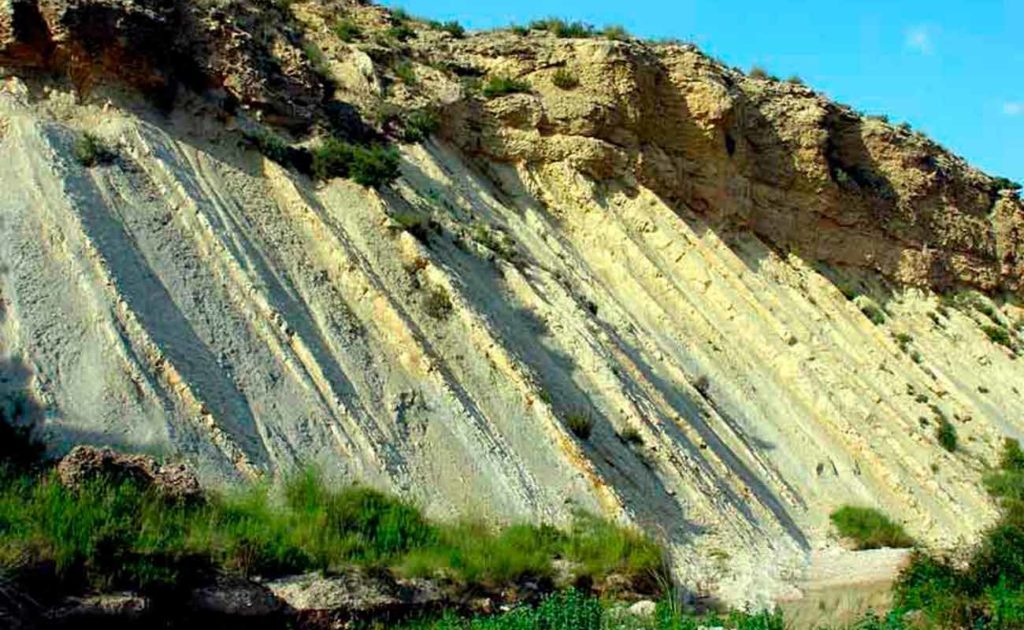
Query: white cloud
column 1012, row 108
column 920, row 38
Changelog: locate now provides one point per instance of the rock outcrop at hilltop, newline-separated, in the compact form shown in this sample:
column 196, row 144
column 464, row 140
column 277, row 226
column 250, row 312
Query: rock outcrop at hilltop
column 697, row 301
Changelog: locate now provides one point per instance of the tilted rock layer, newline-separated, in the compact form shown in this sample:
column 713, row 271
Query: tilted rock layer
column 665, row 251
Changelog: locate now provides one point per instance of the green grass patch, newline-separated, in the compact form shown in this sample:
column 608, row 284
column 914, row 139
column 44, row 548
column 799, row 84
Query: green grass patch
column 869, row 528
column 419, row 125
column 109, row 535
column 501, row 86
column 572, row 610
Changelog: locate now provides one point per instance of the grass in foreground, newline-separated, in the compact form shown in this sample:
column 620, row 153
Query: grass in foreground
column 571, row 610
column 117, row 535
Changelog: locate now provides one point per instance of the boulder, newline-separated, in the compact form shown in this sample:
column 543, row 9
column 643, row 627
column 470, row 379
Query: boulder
column 84, row 463
column 233, row 597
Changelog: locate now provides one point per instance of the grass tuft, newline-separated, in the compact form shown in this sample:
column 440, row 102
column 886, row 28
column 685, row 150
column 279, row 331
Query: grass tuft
column 501, row 86
column 869, row 529
column 90, row 150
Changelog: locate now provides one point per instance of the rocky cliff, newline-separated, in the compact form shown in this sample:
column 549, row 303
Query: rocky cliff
column 616, row 276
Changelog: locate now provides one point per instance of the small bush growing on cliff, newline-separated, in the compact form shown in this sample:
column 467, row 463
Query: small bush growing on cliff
column 1003, row 183
column 757, row 72
column 437, row 303
column 419, row 125
column 869, row 528
column 500, row 86
column 561, row 28
column 406, row 73
column 347, row 30
column 454, row 29
column 615, row 32
column 565, row 79
column 90, row 150
column 998, row 334
column 945, row 433
column 580, row 422
column 371, row 166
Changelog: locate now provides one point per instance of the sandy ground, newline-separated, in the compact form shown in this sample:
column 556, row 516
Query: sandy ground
column 196, row 301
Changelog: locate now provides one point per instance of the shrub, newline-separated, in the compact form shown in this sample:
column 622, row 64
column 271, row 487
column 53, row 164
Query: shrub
column 406, row 72
column 90, row 150
column 945, row 433
column 630, row 435
column 757, row 72
column 437, row 303
column 580, row 422
column 419, row 125
column 371, row 166
column 872, row 311
column 794, row 80
column 561, row 28
column 519, row 29
column 500, row 86
column 19, row 449
column 616, row 32
column 273, row 146
column 565, row 79
column 400, row 32
column 869, row 528
column 998, row 334
column 1002, row 183
column 453, row 28
column 347, row 30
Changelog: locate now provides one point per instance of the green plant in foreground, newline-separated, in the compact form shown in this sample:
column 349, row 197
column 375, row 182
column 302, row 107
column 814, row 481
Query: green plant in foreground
column 869, row 528
column 500, row 86
column 406, row 72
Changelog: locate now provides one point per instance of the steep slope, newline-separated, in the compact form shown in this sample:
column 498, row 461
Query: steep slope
column 666, row 251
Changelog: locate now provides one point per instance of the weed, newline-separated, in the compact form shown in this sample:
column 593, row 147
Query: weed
column 869, row 528
column 454, row 29
column 561, row 28
column 580, row 422
column 615, row 32
column 630, row 435
column 419, row 125
column 945, row 433
column 347, row 30
column 500, row 86
column 794, row 80
column 400, row 32
column 90, row 150
column 406, row 72
column 757, row 72
column 565, row 79
column 371, row 166
column 273, row 146
column 998, row 334
column 871, row 310
column 437, row 303
column 317, row 61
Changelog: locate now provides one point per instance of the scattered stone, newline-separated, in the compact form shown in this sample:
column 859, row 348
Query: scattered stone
column 98, row 608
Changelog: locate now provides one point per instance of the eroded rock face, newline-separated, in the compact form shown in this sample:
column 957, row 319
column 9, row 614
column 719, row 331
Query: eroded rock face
column 247, row 52
column 807, row 174
column 87, row 463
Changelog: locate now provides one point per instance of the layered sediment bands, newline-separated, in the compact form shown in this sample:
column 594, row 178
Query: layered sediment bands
column 666, row 252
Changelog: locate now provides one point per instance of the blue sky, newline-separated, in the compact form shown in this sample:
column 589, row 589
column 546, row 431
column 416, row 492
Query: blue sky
column 953, row 69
